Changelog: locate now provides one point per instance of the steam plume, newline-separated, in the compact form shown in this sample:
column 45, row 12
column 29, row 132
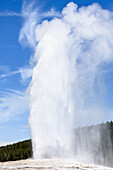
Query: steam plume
column 70, row 52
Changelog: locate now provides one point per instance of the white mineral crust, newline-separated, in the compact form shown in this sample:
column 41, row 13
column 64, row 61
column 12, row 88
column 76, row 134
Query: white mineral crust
column 50, row 164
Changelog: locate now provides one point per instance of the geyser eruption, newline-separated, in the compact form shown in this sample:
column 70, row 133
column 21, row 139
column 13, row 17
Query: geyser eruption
column 71, row 52
column 51, row 107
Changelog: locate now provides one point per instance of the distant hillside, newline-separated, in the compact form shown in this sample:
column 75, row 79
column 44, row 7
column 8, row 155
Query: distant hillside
column 17, row 151
column 95, row 141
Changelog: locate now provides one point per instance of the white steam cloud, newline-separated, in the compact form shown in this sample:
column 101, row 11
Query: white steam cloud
column 70, row 52
column 32, row 17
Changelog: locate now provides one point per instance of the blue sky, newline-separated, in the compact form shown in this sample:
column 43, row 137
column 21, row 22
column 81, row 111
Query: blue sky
column 14, row 60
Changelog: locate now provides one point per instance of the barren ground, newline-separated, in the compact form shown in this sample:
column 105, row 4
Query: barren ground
column 49, row 164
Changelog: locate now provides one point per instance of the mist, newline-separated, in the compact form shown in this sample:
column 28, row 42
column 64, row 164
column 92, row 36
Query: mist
column 72, row 48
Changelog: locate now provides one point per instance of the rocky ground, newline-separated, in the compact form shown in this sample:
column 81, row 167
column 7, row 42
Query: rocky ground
column 49, row 164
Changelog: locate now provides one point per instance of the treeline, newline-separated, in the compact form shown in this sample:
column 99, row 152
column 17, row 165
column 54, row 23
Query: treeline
column 17, row 151
column 95, row 143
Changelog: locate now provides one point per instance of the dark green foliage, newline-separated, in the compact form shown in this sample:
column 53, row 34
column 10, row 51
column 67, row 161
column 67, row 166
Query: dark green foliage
column 17, row 151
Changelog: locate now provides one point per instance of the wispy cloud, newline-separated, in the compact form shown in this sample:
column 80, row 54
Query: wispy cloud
column 25, row 128
column 4, row 68
column 10, row 13
column 9, row 74
column 31, row 17
column 12, row 104
column 25, row 72
column 52, row 13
